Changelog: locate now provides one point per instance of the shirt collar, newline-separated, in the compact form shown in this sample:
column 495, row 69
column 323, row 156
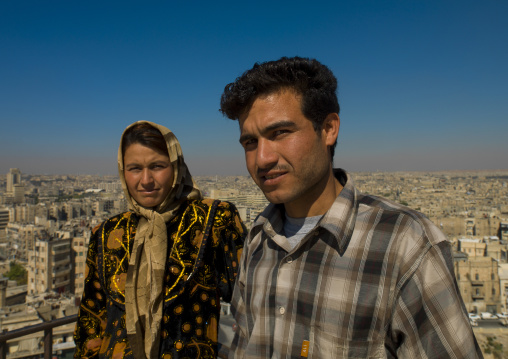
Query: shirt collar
column 339, row 220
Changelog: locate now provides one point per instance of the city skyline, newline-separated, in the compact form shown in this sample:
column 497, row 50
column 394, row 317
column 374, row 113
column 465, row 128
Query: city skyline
column 422, row 85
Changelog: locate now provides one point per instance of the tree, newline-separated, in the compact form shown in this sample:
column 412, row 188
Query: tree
column 18, row 273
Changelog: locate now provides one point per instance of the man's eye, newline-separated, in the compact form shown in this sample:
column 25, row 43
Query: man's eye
column 279, row 132
column 249, row 143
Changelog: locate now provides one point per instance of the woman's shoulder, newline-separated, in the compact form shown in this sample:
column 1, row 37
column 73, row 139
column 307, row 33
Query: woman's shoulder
column 121, row 219
column 208, row 202
column 223, row 208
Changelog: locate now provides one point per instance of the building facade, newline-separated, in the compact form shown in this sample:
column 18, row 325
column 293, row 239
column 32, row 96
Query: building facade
column 50, row 266
column 479, row 284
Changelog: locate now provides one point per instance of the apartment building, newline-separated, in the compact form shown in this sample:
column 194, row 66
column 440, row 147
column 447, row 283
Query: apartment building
column 79, row 252
column 4, row 220
column 50, row 265
column 479, row 284
column 473, row 247
column 503, row 281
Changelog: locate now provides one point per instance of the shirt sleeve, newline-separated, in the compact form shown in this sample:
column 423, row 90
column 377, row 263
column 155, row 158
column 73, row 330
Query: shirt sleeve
column 92, row 311
column 430, row 319
column 230, row 232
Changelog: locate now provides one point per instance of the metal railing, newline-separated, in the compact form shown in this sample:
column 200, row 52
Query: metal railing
column 47, row 328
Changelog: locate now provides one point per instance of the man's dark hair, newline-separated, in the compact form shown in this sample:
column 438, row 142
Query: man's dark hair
column 309, row 78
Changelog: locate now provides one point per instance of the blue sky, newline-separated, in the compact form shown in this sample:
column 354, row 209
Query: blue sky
column 423, row 85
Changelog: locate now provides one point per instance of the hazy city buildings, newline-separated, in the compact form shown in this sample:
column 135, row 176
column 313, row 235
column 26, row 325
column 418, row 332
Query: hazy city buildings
column 45, row 225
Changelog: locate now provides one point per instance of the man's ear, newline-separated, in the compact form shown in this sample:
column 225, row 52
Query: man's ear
column 331, row 126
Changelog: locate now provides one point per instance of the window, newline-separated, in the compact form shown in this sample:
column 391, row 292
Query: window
column 477, row 291
column 477, row 276
column 492, row 276
column 493, row 291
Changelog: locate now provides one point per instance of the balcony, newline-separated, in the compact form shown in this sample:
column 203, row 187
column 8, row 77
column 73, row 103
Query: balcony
column 65, row 270
column 61, row 283
column 477, row 283
column 61, row 249
column 61, row 261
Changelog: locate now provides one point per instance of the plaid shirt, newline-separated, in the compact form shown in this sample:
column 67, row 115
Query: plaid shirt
column 374, row 279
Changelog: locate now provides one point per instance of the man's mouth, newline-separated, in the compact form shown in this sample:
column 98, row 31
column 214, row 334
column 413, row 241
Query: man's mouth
column 269, row 177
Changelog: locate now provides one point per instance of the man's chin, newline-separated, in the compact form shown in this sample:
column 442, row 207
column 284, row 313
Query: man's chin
column 272, row 198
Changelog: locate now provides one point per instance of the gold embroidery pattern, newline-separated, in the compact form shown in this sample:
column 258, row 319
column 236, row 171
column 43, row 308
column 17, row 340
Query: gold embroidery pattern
column 191, row 304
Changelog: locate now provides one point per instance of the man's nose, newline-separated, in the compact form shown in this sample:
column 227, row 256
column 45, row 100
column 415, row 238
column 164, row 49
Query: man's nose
column 266, row 155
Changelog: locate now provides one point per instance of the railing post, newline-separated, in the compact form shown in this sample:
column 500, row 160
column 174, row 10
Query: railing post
column 48, row 343
column 4, row 348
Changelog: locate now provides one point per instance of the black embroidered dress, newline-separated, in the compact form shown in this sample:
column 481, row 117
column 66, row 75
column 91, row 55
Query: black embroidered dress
column 198, row 273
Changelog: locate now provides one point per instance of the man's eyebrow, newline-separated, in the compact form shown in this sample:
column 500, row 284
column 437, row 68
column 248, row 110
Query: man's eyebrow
column 269, row 128
column 278, row 124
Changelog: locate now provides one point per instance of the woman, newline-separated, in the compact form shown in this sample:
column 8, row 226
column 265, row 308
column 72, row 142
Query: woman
column 155, row 274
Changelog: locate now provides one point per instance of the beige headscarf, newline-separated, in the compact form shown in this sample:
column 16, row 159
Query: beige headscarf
column 144, row 294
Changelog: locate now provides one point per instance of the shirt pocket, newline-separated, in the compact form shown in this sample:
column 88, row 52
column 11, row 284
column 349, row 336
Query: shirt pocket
column 325, row 345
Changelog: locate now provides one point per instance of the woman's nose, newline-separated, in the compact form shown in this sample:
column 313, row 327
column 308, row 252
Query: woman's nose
column 146, row 177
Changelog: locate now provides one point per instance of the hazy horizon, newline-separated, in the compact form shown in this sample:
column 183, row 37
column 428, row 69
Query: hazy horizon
column 422, row 85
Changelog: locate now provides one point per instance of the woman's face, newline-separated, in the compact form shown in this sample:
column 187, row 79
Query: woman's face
column 148, row 174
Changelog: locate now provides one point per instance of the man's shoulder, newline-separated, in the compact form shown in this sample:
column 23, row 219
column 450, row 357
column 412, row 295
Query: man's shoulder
column 416, row 223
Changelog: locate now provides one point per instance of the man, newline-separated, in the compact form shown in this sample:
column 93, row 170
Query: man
column 329, row 272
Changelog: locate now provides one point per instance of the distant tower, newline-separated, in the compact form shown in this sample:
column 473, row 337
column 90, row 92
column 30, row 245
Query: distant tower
column 4, row 219
column 13, row 178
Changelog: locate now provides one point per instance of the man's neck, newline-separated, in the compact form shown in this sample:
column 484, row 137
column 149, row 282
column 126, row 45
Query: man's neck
column 318, row 205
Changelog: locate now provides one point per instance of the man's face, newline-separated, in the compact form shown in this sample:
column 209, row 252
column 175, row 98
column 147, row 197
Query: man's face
column 285, row 156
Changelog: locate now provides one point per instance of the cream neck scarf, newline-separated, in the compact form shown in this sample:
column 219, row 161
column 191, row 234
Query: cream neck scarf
column 144, row 295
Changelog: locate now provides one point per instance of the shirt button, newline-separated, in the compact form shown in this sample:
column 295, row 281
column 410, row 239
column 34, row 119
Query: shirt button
column 289, row 260
column 282, row 310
